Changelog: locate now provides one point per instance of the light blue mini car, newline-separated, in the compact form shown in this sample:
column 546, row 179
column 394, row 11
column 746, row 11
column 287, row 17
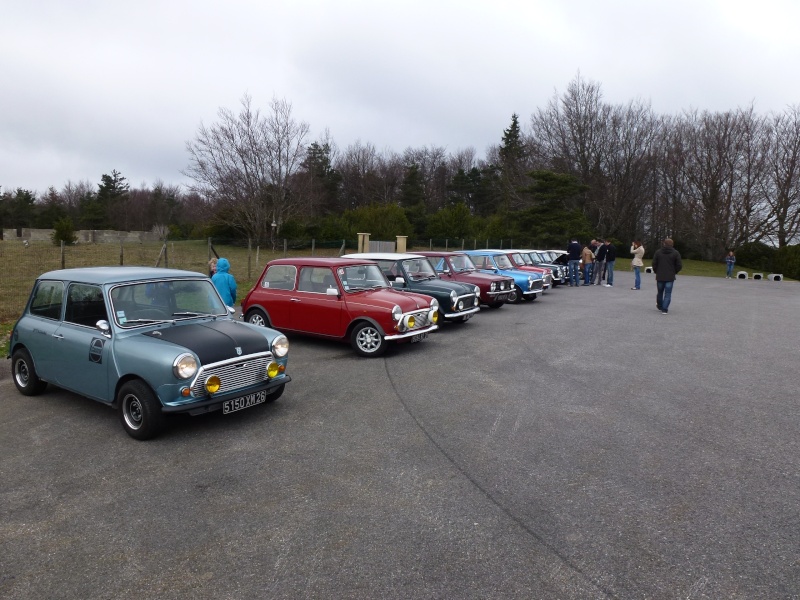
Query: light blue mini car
column 527, row 285
column 148, row 342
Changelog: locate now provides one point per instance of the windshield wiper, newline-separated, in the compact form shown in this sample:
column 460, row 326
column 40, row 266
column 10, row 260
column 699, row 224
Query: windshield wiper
column 145, row 321
column 191, row 314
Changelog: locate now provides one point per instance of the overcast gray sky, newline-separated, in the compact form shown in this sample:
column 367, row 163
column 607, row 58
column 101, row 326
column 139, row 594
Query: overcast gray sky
column 90, row 86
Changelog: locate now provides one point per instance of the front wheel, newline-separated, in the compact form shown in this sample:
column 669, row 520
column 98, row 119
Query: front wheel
column 139, row 410
column 367, row 340
column 25, row 377
column 515, row 297
column 275, row 394
column 257, row 317
column 495, row 304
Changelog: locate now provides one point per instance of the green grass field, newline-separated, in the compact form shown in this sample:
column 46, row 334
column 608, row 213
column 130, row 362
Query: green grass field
column 25, row 264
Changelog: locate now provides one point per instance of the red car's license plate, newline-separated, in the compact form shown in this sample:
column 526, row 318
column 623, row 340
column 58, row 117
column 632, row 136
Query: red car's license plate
column 501, row 297
column 230, row 406
column 419, row 337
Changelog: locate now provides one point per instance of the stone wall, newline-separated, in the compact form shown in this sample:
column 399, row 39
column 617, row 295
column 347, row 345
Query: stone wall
column 85, row 236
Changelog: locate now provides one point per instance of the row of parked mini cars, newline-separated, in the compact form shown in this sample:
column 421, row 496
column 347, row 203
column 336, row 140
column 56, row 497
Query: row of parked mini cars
column 152, row 342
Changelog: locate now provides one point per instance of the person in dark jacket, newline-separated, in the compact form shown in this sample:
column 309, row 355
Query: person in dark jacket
column 599, row 263
column 574, row 258
column 225, row 282
column 666, row 265
column 611, row 257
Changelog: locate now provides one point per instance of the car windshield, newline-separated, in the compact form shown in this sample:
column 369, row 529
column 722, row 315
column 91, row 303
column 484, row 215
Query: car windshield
column 419, row 269
column 362, row 277
column 461, row 263
column 142, row 303
column 518, row 260
column 503, row 262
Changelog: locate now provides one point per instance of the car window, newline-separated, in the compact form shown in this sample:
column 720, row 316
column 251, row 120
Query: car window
column 461, row 262
column 439, row 265
column 503, row 262
column 143, row 303
column 316, row 279
column 419, row 269
column 279, row 277
column 481, row 262
column 85, row 305
column 47, row 299
column 359, row 277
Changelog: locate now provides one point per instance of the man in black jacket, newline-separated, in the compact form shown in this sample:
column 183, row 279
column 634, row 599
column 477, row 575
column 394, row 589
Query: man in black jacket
column 611, row 257
column 599, row 263
column 666, row 265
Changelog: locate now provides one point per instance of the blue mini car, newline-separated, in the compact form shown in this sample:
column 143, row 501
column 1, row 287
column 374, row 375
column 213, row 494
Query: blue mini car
column 148, row 342
column 527, row 285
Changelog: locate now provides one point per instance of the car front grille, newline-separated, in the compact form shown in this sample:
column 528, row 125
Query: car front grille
column 233, row 374
column 420, row 319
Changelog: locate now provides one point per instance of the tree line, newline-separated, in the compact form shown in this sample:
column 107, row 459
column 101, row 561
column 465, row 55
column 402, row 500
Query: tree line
column 579, row 166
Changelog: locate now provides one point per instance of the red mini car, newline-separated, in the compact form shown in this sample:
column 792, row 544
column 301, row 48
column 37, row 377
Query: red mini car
column 339, row 298
column 456, row 266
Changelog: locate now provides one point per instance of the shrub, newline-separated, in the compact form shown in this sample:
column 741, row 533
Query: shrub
column 63, row 231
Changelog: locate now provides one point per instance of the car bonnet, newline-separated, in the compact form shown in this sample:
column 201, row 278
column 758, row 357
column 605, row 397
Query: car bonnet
column 214, row 341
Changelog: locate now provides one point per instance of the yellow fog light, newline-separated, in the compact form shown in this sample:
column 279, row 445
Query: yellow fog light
column 212, row 384
column 273, row 370
column 434, row 316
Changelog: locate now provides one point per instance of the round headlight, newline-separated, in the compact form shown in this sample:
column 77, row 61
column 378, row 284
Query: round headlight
column 477, row 301
column 280, row 346
column 409, row 321
column 477, row 291
column 453, row 296
column 212, row 384
column 460, row 305
column 397, row 312
column 185, row 366
column 434, row 304
column 493, row 286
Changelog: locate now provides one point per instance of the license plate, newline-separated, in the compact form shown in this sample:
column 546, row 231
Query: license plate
column 418, row 338
column 501, row 297
column 230, row 406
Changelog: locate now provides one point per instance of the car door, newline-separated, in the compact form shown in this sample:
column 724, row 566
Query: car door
column 314, row 310
column 41, row 323
column 275, row 295
column 85, row 353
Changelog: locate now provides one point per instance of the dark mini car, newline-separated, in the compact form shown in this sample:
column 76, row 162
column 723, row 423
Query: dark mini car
column 457, row 266
column 542, row 259
column 414, row 273
column 148, row 342
column 339, row 298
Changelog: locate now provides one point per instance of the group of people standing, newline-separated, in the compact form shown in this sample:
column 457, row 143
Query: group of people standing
column 599, row 257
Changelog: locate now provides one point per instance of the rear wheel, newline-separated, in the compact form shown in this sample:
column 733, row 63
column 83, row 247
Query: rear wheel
column 139, row 410
column 25, row 377
column 257, row 317
column 367, row 340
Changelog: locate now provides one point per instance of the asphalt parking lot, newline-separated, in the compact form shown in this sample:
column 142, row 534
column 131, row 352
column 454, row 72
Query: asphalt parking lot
column 584, row 446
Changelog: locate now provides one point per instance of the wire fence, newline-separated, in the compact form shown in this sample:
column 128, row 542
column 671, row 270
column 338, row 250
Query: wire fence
column 25, row 260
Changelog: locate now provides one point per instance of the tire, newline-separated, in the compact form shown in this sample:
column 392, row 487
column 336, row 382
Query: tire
column 367, row 340
column 274, row 395
column 139, row 410
column 515, row 297
column 24, row 373
column 257, row 317
column 495, row 304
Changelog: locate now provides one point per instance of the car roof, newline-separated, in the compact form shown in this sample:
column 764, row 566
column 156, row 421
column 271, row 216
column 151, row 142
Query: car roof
column 441, row 252
column 316, row 261
column 100, row 275
column 383, row 256
column 485, row 252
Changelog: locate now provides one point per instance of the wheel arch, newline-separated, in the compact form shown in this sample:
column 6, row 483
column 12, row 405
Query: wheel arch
column 358, row 320
column 263, row 309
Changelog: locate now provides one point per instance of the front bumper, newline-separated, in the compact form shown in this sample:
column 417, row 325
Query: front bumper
column 412, row 333
column 206, row 405
column 463, row 313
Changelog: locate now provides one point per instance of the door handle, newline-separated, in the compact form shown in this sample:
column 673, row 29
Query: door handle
column 58, row 336
column 294, row 299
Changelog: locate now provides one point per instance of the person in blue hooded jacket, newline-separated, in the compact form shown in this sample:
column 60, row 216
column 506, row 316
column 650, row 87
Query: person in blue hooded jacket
column 225, row 282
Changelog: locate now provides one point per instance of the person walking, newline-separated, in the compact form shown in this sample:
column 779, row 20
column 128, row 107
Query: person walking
column 666, row 265
column 637, row 263
column 599, row 263
column 587, row 256
column 611, row 257
column 574, row 261
column 730, row 260
column 225, row 282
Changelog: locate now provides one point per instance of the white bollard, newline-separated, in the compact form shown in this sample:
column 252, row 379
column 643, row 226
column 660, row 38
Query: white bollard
column 648, row 269
column 758, row 276
column 741, row 275
column 775, row 277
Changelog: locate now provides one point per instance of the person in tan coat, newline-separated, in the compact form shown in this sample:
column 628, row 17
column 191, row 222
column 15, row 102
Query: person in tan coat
column 637, row 263
column 587, row 257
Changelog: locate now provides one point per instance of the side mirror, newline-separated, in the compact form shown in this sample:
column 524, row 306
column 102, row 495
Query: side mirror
column 332, row 291
column 104, row 328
